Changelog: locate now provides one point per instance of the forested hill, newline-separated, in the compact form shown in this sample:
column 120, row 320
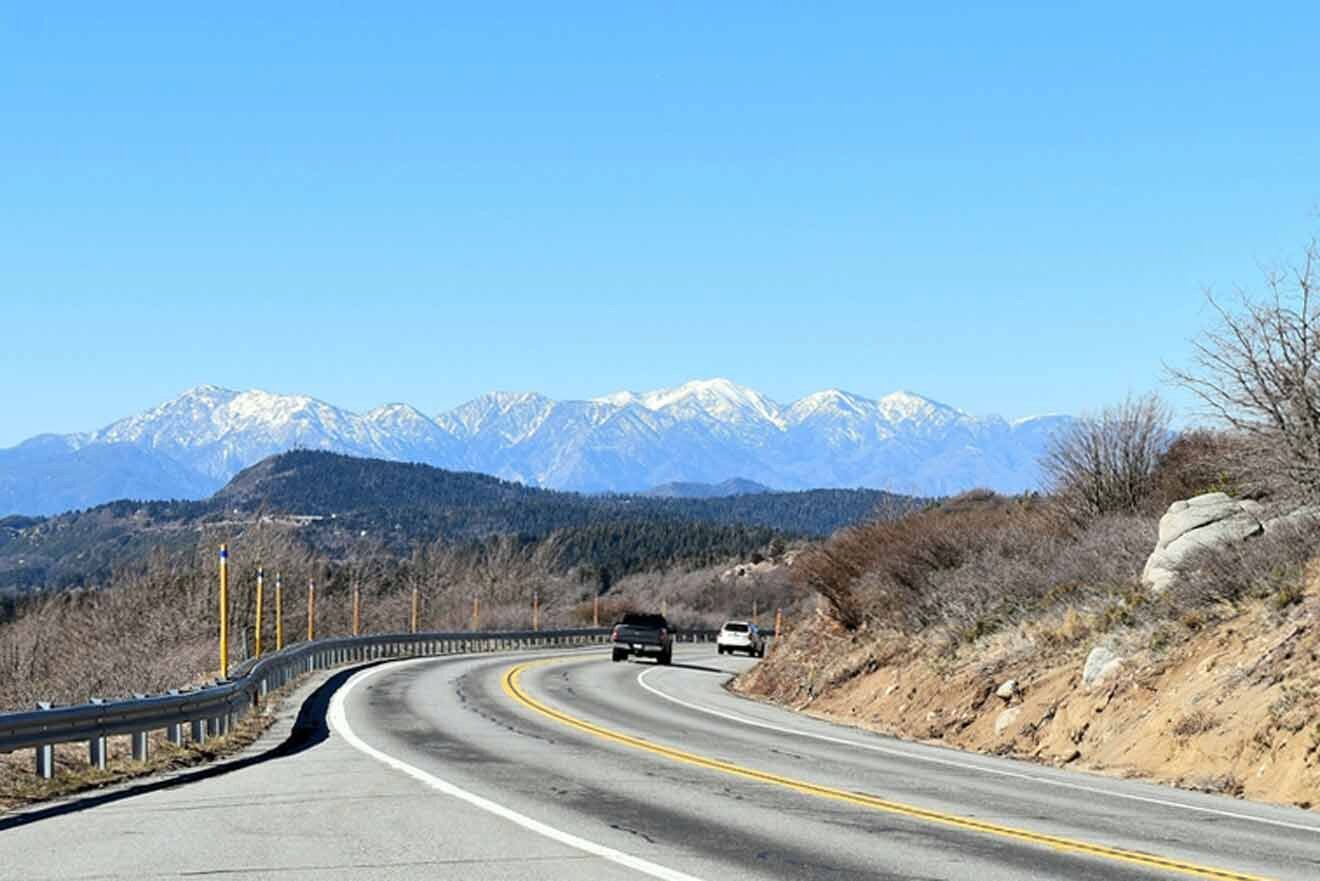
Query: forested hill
column 339, row 505
column 469, row 504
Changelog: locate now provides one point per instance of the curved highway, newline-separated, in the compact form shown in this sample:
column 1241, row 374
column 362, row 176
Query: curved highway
column 571, row 766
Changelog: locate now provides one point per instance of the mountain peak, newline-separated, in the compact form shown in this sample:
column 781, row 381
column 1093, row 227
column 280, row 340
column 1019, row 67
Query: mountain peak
column 206, row 390
column 511, row 414
column 829, row 399
column 720, row 398
column 905, row 405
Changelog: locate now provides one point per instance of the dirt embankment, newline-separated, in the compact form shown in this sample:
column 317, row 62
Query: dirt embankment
column 1230, row 706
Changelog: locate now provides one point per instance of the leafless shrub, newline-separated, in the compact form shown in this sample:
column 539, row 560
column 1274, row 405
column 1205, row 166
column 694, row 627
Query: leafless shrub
column 707, row 597
column 1257, row 371
column 1195, row 722
column 1263, row 566
column 1105, row 463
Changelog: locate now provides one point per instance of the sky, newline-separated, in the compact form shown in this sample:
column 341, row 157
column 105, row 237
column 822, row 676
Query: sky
column 1013, row 210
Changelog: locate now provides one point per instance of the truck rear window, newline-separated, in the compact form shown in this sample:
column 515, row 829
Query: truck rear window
column 735, row 628
column 642, row 619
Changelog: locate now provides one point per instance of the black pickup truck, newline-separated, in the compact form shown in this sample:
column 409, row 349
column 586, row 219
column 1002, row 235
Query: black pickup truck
column 641, row 633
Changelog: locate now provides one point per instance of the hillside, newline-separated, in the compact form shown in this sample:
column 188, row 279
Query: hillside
column 340, row 505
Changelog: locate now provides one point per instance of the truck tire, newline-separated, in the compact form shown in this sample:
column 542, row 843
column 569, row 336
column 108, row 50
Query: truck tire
column 619, row 655
column 667, row 657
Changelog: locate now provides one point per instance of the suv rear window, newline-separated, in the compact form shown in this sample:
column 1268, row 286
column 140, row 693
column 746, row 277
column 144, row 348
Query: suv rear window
column 643, row 619
column 736, row 628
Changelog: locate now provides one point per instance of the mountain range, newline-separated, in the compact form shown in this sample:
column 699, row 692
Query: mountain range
column 702, row 432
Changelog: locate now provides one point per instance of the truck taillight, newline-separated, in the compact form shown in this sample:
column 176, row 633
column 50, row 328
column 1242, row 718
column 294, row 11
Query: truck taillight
column 664, row 634
column 614, row 634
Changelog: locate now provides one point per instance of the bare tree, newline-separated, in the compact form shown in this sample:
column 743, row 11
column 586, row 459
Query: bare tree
column 1105, row 463
column 1257, row 371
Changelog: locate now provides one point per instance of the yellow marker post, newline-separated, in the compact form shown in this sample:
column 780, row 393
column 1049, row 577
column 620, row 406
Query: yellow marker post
column 753, row 611
column 476, row 613
column 779, row 623
column 595, row 611
column 279, row 612
column 415, row 608
column 261, row 621
column 536, row 610
column 357, row 610
column 311, row 609
column 224, row 611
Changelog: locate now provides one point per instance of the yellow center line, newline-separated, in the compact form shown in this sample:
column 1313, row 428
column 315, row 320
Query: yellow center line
column 514, row 690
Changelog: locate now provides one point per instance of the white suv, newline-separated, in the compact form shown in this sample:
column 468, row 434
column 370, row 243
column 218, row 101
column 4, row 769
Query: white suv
column 741, row 636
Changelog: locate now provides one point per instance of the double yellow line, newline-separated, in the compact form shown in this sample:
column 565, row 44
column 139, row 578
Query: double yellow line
column 514, row 690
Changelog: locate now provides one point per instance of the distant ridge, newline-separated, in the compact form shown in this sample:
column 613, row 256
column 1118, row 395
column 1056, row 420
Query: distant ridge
column 702, row 432
column 736, row 486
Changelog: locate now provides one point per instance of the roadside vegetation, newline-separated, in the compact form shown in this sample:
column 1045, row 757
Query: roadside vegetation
column 153, row 627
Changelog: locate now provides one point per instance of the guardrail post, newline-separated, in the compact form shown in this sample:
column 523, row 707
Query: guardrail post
column 46, row 761
column 198, row 730
column 96, row 746
column 175, row 734
column 140, row 746
column 45, row 752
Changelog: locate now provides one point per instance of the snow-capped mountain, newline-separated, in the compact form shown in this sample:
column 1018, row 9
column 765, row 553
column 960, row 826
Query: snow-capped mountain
column 705, row 431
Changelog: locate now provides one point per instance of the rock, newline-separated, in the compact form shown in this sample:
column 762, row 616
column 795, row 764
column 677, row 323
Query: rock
column 1007, row 690
column 1193, row 525
column 1006, row 719
column 1303, row 518
column 1101, row 664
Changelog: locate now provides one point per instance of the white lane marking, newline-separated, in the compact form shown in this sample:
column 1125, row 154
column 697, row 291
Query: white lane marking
column 967, row 766
column 339, row 722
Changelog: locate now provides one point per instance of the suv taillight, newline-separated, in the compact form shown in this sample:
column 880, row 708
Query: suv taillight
column 664, row 634
column 614, row 634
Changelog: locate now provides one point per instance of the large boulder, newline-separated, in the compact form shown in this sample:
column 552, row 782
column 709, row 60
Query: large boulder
column 1192, row 525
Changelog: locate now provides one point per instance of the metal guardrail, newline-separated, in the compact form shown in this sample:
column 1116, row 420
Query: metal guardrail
column 212, row 711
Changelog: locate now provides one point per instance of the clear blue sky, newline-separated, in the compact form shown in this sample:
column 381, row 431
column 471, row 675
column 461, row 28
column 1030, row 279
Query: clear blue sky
column 1012, row 210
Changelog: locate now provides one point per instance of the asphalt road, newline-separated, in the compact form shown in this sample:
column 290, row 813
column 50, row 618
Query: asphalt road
column 491, row 767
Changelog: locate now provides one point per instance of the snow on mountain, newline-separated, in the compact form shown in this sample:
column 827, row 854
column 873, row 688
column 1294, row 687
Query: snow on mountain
column 510, row 415
column 401, row 431
column 719, row 399
column 218, row 432
column 704, row 431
